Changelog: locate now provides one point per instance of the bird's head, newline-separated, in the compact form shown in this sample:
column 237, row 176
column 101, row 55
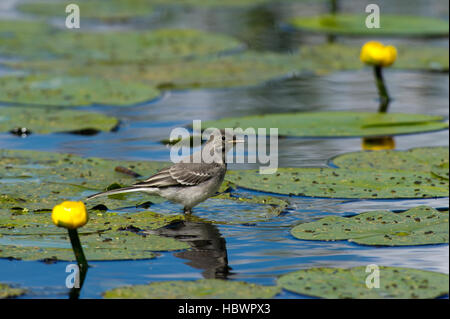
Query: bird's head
column 220, row 142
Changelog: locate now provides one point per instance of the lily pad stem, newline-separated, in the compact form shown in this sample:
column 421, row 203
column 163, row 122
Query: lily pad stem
column 81, row 261
column 382, row 91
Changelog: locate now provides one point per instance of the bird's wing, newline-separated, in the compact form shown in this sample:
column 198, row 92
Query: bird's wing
column 187, row 174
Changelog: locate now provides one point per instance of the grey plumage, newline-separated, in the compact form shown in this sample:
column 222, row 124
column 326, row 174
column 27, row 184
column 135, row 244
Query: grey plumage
column 185, row 183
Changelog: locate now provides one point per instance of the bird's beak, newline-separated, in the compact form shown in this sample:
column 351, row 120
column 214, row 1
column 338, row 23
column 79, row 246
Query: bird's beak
column 235, row 141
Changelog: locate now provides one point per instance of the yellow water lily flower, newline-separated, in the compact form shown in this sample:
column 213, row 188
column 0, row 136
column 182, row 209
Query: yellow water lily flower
column 70, row 215
column 376, row 53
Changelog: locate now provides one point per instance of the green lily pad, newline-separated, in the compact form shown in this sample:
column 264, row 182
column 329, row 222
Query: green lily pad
column 395, row 282
column 44, row 121
column 200, row 289
column 324, row 58
column 107, row 236
column 141, row 47
column 390, row 25
column 343, row 183
column 39, row 223
column 73, row 91
column 6, row 291
column 104, row 246
column 23, row 38
column 213, row 3
column 422, row 159
column 150, row 47
column 336, row 124
column 232, row 209
column 97, row 9
column 45, row 179
column 276, row 203
column 249, row 68
column 50, row 254
column 418, row 226
column 441, row 170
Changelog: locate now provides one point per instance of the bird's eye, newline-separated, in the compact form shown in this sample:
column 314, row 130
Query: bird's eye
column 223, row 138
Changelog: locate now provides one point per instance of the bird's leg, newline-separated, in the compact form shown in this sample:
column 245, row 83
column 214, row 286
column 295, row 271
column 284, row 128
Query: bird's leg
column 187, row 211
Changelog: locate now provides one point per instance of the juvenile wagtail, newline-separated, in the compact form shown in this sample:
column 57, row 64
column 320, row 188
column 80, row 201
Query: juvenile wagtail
column 187, row 183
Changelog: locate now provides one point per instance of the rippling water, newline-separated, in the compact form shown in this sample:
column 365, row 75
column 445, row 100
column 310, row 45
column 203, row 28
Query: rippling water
column 256, row 251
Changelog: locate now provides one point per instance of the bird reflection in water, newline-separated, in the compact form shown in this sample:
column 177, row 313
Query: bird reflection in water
column 208, row 247
column 378, row 143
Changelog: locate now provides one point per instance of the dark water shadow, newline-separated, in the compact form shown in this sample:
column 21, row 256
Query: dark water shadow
column 208, row 248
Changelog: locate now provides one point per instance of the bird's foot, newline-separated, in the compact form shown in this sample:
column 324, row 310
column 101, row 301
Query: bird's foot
column 187, row 211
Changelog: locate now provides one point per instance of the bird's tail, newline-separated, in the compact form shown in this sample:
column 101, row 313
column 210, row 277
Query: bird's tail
column 129, row 189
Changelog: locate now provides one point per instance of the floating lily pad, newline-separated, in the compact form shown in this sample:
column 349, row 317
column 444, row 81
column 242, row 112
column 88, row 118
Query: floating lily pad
column 104, row 246
column 200, row 289
column 6, row 291
column 422, row 159
column 51, row 90
column 107, row 236
column 97, row 9
column 248, row 68
column 142, row 47
column 276, row 203
column 232, row 209
column 336, row 124
column 20, row 223
column 23, row 38
column 441, row 170
column 327, row 57
column 150, row 47
column 214, row 3
column 343, row 183
column 418, row 226
column 51, row 254
column 390, row 25
column 44, row 121
column 39, row 180
column 395, row 282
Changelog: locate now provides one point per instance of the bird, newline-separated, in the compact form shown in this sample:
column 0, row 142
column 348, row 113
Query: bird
column 187, row 183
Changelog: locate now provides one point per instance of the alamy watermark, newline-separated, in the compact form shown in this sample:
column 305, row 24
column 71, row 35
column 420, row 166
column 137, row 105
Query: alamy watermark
column 373, row 19
column 373, row 279
column 261, row 146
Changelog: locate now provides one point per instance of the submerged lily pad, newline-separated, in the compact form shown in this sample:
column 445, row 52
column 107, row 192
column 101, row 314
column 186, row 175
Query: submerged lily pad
column 232, row 209
column 421, row 159
column 140, row 47
column 336, row 124
column 39, row 223
column 98, row 9
column 73, row 91
column 44, row 121
column 418, row 226
column 200, row 289
column 390, row 25
column 6, row 291
column 343, row 183
column 277, row 204
column 324, row 58
column 395, row 282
